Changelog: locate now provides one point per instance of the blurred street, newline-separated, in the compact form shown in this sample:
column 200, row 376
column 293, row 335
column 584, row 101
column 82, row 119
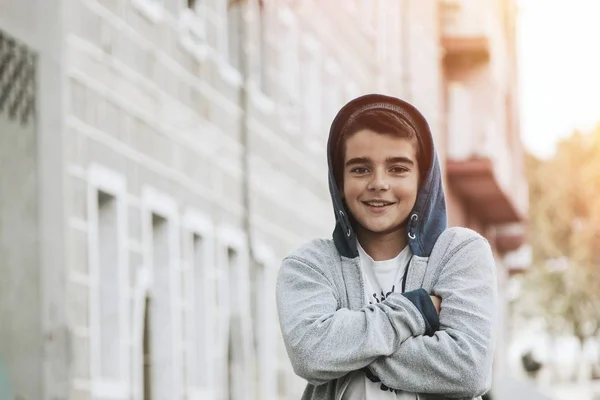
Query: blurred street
column 158, row 159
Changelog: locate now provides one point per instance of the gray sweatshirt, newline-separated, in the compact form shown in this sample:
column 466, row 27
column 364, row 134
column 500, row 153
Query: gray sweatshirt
column 329, row 331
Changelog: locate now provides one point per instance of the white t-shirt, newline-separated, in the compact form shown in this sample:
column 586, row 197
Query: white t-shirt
column 381, row 278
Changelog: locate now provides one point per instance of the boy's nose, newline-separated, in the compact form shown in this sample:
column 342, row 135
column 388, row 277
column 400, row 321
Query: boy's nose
column 378, row 182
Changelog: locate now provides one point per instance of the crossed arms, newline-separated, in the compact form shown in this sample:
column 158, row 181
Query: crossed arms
column 325, row 342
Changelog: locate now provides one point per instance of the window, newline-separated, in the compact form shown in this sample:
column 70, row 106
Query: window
column 234, row 35
column 161, row 258
column 257, row 313
column 459, row 122
column 160, row 310
column 264, row 73
column 257, row 301
column 333, row 91
column 109, row 293
column 310, row 84
column 223, row 21
column 199, row 306
column 147, row 353
column 289, row 60
column 369, row 14
column 233, row 344
column 235, row 360
column 198, row 285
column 193, row 30
column 383, row 37
column 263, row 276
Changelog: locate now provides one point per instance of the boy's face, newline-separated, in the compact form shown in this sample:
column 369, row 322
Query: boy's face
column 381, row 179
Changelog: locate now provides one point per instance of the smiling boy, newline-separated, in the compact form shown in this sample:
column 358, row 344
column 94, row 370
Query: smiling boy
column 359, row 313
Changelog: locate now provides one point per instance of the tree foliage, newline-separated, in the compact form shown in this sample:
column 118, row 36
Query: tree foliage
column 563, row 285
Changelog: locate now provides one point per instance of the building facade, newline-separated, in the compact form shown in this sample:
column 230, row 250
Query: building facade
column 484, row 168
column 160, row 157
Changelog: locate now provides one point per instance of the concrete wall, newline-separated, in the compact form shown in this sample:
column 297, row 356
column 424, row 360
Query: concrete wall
column 20, row 294
column 33, row 334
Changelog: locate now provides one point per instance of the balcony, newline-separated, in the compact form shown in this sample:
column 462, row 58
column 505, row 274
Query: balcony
column 466, row 32
column 476, row 182
column 510, row 238
column 519, row 260
column 480, row 166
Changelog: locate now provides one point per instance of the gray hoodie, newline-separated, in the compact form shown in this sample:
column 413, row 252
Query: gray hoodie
column 330, row 332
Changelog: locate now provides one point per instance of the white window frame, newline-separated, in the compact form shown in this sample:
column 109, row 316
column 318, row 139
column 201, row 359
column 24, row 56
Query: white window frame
column 395, row 41
column 287, row 21
column 220, row 19
column 383, row 45
column 192, row 26
column 368, row 13
column 153, row 10
column 260, row 26
column 143, row 285
column 113, row 183
column 155, row 202
column 260, row 73
column 333, row 89
column 267, row 358
column 197, row 223
column 313, row 111
column 383, row 37
column 229, row 237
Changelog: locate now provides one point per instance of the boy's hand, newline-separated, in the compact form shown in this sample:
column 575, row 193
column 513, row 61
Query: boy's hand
column 437, row 303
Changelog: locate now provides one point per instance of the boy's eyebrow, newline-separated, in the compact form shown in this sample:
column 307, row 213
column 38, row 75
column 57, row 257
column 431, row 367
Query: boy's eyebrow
column 358, row 160
column 389, row 160
column 403, row 160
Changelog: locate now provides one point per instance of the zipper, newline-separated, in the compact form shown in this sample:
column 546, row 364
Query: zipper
column 406, row 274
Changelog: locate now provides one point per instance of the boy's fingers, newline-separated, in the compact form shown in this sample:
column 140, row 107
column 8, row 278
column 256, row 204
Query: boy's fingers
column 437, row 303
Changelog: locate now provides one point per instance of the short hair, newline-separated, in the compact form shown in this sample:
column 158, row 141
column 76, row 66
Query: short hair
column 384, row 122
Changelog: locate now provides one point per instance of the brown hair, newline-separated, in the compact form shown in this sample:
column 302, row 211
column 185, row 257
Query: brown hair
column 384, row 122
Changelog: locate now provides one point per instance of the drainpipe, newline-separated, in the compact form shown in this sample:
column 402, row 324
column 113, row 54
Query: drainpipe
column 243, row 100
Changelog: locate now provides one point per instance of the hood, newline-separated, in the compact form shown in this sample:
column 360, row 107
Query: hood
column 427, row 219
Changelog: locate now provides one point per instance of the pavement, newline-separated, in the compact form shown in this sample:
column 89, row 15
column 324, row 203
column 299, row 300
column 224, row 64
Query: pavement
column 515, row 389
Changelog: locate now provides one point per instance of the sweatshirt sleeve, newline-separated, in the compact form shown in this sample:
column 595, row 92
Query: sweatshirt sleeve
column 457, row 360
column 325, row 342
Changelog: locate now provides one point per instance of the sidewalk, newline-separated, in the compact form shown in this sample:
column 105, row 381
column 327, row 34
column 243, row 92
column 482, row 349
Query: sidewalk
column 515, row 389
column 580, row 391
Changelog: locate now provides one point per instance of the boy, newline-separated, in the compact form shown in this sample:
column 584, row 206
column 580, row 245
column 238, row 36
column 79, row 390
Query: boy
column 356, row 315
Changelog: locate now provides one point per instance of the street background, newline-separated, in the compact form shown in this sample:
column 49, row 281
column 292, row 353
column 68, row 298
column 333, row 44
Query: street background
column 158, row 158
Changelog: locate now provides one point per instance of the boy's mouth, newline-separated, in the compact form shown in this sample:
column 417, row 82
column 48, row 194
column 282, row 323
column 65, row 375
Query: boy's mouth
column 377, row 204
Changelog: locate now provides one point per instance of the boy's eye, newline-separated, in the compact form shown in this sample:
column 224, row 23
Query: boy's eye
column 359, row 170
column 399, row 170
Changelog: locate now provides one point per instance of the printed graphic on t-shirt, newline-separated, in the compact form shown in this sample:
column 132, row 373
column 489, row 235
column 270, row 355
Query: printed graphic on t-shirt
column 383, row 296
